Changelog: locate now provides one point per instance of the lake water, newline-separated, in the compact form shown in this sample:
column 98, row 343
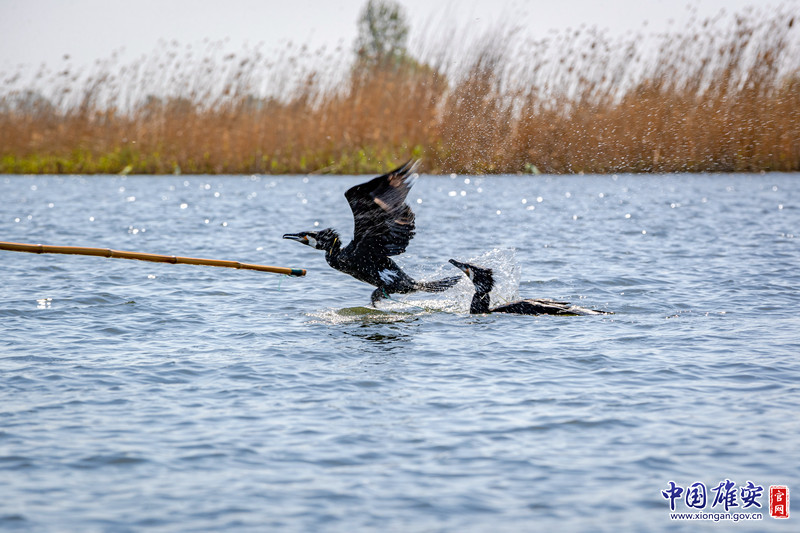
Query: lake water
column 140, row 396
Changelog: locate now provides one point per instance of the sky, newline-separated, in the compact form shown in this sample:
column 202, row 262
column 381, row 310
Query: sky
column 36, row 32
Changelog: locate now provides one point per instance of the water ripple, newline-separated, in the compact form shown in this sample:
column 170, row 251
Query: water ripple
column 177, row 398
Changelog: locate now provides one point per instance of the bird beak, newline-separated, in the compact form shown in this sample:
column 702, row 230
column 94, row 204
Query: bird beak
column 461, row 266
column 296, row 237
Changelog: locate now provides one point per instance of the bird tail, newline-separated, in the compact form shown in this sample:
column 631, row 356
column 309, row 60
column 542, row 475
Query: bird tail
column 439, row 285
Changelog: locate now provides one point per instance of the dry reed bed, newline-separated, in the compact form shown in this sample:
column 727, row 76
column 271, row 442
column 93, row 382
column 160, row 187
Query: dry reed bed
column 723, row 95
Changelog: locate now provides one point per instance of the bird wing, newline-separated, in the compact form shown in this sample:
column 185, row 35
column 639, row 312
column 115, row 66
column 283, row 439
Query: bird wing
column 534, row 307
column 545, row 307
column 384, row 223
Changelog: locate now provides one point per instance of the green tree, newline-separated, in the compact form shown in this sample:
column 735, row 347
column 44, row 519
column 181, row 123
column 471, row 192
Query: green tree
column 382, row 35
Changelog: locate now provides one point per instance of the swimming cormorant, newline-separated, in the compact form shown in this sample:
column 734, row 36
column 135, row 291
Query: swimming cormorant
column 384, row 225
column 483, row 279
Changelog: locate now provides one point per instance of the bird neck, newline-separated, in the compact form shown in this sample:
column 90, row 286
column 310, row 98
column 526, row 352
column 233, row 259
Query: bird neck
column 333, row 249
column 480, row 303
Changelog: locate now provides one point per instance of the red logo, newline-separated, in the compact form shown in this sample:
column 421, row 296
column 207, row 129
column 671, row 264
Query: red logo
column 779, row 501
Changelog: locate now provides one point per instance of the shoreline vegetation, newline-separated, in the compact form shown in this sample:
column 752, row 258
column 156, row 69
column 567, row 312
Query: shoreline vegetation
column 721, row 95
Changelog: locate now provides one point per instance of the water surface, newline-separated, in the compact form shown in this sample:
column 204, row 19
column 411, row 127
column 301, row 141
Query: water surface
column 139, row 396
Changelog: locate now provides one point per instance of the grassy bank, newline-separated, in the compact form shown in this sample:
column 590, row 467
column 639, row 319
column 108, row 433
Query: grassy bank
column 721, row 95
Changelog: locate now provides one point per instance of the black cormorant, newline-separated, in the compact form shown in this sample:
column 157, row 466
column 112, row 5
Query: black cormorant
column 384, row 225
column 483, row 279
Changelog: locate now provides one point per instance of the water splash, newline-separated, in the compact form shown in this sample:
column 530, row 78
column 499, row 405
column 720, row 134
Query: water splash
column 507, row 274
column 361, row 314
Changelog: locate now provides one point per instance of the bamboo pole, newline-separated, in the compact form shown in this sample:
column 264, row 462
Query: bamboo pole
column 155, row 258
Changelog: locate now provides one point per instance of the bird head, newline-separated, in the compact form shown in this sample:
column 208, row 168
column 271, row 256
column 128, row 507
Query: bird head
column 482, row 278
column 321, row 240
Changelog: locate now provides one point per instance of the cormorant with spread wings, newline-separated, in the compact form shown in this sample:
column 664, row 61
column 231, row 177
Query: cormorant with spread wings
column 384, row 225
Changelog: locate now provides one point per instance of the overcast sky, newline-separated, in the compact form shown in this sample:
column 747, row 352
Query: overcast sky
column 33, row 32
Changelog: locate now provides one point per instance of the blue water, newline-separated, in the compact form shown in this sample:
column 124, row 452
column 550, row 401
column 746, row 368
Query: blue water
column 140, row 396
